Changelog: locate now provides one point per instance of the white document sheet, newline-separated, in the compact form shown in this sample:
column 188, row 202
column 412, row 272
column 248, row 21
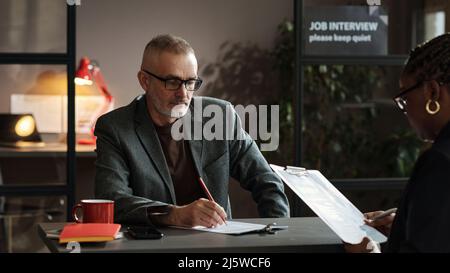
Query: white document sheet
column 232, row 227
column 330, row 205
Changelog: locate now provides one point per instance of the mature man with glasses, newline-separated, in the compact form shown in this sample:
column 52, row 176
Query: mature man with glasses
column 155, row 179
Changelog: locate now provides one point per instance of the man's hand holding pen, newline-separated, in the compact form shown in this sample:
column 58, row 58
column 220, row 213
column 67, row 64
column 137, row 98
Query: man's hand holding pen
column 201, row 212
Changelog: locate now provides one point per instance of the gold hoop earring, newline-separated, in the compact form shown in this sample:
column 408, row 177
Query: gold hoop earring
column 432, row 112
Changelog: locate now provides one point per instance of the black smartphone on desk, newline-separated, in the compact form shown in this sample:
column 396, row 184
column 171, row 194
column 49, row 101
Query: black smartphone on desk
column 144, row 232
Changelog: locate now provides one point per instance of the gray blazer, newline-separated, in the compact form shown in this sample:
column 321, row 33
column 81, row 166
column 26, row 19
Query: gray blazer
column 131, row 168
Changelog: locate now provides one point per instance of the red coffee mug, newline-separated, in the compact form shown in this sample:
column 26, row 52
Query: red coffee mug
column 94, row 211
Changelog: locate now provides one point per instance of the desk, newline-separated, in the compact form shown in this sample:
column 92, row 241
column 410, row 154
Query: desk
column 309, row 234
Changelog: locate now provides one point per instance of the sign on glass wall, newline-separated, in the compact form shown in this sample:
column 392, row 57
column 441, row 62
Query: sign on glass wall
column 345, row 30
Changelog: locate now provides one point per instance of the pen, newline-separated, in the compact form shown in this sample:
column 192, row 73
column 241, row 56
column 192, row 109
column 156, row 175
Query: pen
column 384, row 214
column 208, row 194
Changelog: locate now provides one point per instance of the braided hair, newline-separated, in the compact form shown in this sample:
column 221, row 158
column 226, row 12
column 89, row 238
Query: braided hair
column 431, row 60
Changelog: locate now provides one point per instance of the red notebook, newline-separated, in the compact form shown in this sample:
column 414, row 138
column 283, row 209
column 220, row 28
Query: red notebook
column 88, row 233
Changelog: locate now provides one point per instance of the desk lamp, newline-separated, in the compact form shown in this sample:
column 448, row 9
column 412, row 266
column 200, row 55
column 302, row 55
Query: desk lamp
column 89, row 73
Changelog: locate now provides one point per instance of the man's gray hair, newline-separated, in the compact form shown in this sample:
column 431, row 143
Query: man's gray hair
column 168, row 43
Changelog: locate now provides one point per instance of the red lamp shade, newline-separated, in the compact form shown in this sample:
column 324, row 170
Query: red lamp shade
column 83, row 76
column 87, row 73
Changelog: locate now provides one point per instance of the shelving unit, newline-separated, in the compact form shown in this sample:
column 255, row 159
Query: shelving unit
column 67, row 59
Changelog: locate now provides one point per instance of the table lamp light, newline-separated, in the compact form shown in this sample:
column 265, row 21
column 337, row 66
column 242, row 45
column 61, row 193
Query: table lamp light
column 89, row 73
column 19, row 131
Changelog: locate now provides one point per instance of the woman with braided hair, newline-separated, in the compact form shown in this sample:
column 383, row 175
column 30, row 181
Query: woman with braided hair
column 422, row 221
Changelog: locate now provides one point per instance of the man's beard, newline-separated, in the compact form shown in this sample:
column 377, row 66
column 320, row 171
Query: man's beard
column 177, row 111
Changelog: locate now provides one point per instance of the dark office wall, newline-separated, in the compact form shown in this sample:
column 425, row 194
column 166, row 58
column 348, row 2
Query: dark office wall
column 115, row 32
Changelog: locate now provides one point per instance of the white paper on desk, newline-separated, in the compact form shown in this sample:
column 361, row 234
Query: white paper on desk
column 330, row 205
column 232, row 228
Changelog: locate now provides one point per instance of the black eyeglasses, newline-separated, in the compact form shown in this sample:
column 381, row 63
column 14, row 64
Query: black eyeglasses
column 400, row 99
column 175, row 84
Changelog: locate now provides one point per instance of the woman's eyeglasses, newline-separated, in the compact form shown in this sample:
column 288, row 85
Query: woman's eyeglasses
column 400, row 99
